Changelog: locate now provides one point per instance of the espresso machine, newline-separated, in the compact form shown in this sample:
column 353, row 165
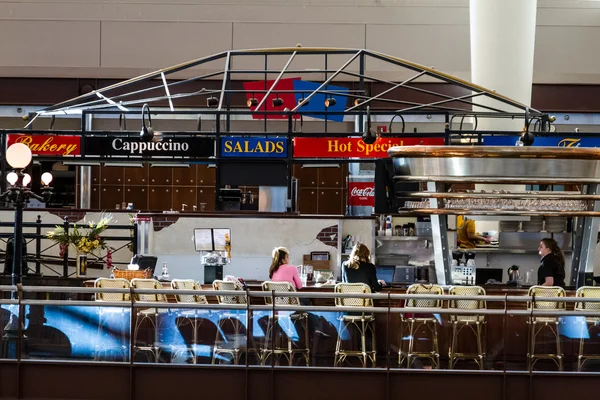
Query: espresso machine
column 463, row 273
column 214, row 246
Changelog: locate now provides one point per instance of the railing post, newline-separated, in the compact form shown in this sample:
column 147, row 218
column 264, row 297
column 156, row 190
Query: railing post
column 135, row 238
column 38, row 245
column 66, row 252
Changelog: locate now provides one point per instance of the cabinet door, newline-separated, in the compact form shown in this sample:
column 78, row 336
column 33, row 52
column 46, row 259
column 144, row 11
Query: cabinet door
column 112, row 175
column 330, row 201
column 307, row 176
column 206, row 194
column 332, row 177
column 308, row 200
column 184, row 195
column 206, row 175
column 138, row 195
column 136, row 175
column 95, row 197
column 95, row 174
column 110, row 196
column 160, row 198
column 161, row 176
column 184, row 176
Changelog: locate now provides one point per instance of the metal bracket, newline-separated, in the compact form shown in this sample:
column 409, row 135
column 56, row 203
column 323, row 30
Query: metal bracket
column 439, row 230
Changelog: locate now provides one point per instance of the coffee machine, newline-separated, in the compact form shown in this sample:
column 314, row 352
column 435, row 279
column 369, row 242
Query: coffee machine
column 463, row 273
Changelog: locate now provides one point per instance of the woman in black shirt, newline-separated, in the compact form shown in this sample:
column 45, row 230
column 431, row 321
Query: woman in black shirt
column 358, row 268
column 552, row 266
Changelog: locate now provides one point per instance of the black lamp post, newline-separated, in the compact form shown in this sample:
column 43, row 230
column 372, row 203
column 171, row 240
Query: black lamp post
column 18, row 193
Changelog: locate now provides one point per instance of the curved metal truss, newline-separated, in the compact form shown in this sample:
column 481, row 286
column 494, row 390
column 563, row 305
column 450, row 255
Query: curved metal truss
column 455, row 96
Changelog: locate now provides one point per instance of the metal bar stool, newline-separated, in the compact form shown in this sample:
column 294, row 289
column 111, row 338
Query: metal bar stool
column 537, row 324
column 193, row 317
column 415, row 321
column 107, row 314
column 152, row 315
column 290, row 319
column 235, row 344
column 589, row 322
column 363, row 322
column 475, row 322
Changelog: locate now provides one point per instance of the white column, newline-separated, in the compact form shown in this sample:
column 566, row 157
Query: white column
column 502, row 49
column 502, row 46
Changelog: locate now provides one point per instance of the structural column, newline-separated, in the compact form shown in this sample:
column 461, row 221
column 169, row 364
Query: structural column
column 502, row 49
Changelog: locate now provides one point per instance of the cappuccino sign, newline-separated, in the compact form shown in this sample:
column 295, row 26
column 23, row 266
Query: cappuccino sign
column 134, row 146
column 361, row 194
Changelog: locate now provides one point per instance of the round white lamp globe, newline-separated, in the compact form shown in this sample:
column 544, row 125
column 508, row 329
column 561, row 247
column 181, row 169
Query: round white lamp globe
column 18, row 155
column 26, row 179
column 12, row 178
column 46, row 178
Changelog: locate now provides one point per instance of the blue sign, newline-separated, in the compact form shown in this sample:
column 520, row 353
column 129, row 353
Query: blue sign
column 555, row 141
column 317, row 102
column 254, row 147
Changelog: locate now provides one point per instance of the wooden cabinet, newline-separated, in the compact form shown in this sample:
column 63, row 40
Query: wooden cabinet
column 206, row 194
column 94, row 197
column 184, row 195
column 184, row 176
column 308, row 200
column 110, row 196
column 112, row 175
column 136, row 175
column 206, row 176
column 160, row 198
column 160, row 176
column 332, row 177
column 330, row 201
column 138, row 195
column 307, row 176
column 95, row 175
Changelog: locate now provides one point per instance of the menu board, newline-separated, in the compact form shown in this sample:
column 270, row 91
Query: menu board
column 211, row 239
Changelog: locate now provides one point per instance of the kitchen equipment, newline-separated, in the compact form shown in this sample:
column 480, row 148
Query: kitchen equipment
column 514, row 277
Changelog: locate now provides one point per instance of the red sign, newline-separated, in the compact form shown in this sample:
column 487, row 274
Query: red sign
column 361, row 194
column 354, row 147
column 287, row 97
column 49, row 145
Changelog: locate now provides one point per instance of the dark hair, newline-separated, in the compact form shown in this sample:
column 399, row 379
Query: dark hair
column 279, row 254
column 554, row 249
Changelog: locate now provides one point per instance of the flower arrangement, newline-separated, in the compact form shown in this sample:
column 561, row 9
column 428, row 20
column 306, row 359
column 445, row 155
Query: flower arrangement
column 85, row 239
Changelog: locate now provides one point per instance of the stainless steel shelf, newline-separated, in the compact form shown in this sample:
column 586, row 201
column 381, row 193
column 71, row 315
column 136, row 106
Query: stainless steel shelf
column 402, row 238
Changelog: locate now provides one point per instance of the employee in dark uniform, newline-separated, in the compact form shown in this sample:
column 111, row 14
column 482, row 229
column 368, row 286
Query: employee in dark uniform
column 552, row 266
column 358, row 268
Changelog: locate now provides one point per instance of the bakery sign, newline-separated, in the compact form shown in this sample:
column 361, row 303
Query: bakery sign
column 354, row 147
column 134, row 146
column 254, row 147
column 48, row 145
column 361, row 194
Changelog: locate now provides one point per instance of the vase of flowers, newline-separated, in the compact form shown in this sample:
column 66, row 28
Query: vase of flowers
column 85, row 239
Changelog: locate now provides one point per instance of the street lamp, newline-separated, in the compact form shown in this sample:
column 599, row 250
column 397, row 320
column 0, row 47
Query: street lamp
column 19, row 157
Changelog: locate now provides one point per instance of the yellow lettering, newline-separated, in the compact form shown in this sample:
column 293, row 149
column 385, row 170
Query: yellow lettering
column 46, row 145
column 269, row 147
column 25, row 140
column 228, row 147
column 332, row 146
column 70, row 149
column 361, row 146
column 258, row 148
column 238, row 148
column 279, row 147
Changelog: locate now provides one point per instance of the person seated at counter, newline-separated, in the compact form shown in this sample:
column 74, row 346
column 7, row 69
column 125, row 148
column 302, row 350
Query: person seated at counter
column 467, row 236
column 281, row 270
column 552, row 265
column 359, row 269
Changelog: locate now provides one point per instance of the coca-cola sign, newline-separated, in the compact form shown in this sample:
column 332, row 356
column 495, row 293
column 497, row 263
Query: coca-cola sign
column 361, row 194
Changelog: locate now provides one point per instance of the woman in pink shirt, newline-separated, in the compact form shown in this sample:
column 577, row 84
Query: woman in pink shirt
column 281, row 271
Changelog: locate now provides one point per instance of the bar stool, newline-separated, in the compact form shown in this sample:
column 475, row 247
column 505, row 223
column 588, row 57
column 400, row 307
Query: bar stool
column 152, row 315
column 193, row 317
column 537, row 324
column 106, row 314
column 238, row 344
column 415, row 321
column 289, row 318
column 363, row 322
column 590, row 322
column 475, row 322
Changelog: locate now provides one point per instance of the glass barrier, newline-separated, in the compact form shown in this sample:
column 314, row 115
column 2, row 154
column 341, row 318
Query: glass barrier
column 514, row 333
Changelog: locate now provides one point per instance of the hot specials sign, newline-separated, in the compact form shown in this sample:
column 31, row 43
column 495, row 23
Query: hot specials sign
column 48, row 145
column 354, row 147
column 254, row 147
